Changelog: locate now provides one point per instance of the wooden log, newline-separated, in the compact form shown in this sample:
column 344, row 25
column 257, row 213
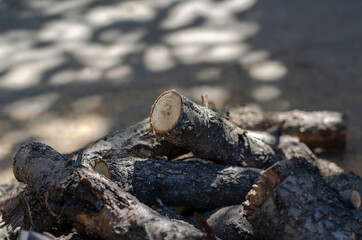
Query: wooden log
column 292, row 201
column 324, row 129
column 206, row 133
column 346, row 183
column 93, row 204
column 191, row 184
column 228, row 223
column 136, row 141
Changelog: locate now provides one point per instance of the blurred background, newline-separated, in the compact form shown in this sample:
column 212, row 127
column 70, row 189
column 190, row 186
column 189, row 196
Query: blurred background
column 72, row 71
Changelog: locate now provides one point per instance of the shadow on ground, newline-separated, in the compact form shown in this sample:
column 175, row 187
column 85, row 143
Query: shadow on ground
column 71, row 71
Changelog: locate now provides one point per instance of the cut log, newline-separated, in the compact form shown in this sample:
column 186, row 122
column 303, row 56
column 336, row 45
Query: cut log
column 191, row 184
column 135, row 141
column 93, row 204
column 292, row 201
column 206, row 133
column 347, row 183
column 324, row 129
column 228, row 223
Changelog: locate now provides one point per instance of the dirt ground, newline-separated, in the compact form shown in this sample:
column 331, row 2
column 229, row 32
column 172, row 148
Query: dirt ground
column 71, row 71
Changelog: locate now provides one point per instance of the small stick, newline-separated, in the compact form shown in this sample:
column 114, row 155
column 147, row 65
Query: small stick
column 204, row 101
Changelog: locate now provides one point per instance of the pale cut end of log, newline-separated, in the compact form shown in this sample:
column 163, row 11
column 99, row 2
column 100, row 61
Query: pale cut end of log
column 102, row 167
column 352, row 197
column 166, row 111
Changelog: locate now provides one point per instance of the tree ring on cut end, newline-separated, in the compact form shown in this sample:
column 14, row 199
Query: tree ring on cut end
column 166, row 111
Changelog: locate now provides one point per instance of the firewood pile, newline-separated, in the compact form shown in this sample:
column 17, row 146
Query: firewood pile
column 188, row 172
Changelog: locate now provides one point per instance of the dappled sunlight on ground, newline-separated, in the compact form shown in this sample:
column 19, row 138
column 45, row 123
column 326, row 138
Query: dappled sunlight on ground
column 70, row 71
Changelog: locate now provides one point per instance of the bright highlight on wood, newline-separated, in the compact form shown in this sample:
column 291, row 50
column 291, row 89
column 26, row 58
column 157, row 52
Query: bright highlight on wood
column 166, row 111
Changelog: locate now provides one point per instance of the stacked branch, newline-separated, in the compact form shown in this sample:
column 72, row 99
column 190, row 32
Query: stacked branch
column 93, row 204
column 101, row 190
column 346, row 183
column 191, row 184
column 324, row 129
column 206, row 133
column 135, row 141
column 293, row 201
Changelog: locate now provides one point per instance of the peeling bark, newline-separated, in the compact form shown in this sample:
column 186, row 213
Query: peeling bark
column 292, row 201
column 93, row 204
column 191, row 184
column 323, row 129
column 206, row 133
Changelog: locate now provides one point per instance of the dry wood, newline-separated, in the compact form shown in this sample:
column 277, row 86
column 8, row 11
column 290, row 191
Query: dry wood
column 206, row 133
column 10, row 190
column 292, row 201
column 325, row 129
column 347, row 183
column 228, row 223
column 136, row 141
column 192, row 183
column 93, row 204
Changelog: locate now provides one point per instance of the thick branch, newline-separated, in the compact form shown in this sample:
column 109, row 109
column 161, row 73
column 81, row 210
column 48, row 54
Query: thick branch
column 323, row 129
column 228, row 223
column 91, row 203
column 135, row 141
column 206, row 133
column 191, row 183
column 347, row 183
column 292, row 201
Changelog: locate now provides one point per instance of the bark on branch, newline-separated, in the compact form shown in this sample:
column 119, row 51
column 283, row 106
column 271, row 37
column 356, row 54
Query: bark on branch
column 323, row 129
column 192, row 183
column 206, row 133
column 135, row 141
column 346, row 183
column 93, row 204
column 292, row 201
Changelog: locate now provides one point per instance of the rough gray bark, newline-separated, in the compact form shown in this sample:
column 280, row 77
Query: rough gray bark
column 136, row 141
column 191, row 184
column 93, row 204
column 335, row 176
column 292, row 201
column 323, row 129
column 228, row 223
column 211, row 136
column 10, row 190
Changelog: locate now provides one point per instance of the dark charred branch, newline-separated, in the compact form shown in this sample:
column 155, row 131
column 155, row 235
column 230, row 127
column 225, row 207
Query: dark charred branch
column 346, row 183
column 206, row 133
column 135, row 141
column 323, row 129
column 227, row 223
column 93, row 204
column 293, row 201
column 191, row 184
